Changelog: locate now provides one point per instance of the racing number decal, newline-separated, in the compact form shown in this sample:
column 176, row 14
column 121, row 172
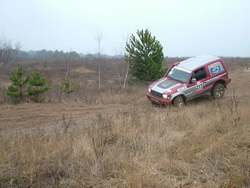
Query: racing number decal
column 200, row 85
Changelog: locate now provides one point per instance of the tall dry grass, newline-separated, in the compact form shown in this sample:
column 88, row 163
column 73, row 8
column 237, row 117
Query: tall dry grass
column 203, row 145
column 124, row 141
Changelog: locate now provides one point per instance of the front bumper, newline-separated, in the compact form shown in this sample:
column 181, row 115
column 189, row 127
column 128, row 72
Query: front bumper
column 158, row 100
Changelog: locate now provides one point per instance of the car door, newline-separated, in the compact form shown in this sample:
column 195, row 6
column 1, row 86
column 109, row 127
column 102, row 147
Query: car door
column 197, row 88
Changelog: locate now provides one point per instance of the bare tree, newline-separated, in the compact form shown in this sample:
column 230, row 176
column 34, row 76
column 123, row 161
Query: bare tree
column 121, row 52
column 128, row 61
column 98, row 38
column 126, row 76
column 68, row 58
column 5, row 49
column 118, row 51
column 7, row 53
column 16, row 52
column 67, row 86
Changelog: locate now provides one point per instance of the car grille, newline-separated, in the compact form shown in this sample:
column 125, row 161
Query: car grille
column 155, row 93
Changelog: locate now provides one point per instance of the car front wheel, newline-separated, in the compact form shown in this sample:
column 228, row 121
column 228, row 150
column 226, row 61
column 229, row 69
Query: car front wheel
column 179, row 101
column 218, row 91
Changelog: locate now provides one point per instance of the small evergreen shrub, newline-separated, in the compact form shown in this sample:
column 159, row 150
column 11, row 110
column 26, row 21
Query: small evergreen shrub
column 67, row 86
column 37, row 86
column 17, row 89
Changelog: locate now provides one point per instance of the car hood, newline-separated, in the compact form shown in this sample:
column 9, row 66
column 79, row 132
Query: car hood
column 165, row 85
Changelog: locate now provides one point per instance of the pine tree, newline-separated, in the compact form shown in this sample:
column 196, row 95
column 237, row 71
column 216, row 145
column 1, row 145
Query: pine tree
column 16, row 89
column 37, row 86
column 145, row 56
column 68, row 86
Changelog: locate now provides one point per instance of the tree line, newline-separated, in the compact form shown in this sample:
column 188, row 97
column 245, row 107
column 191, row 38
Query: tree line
column 48, row 54
column 10, row 52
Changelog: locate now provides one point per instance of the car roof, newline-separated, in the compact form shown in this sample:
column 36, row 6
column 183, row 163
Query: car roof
column 194, row 62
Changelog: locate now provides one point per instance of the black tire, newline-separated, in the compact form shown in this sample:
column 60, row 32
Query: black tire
column 179, row 101
column 218, row 91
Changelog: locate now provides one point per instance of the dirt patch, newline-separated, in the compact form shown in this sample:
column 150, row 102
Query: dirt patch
column 247, row 70
column 83, row 70
column 240, row 84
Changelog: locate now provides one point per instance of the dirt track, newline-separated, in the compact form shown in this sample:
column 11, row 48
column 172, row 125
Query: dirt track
column 44, row 115
column 31, row 115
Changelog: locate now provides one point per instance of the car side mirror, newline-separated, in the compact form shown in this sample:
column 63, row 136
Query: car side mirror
column 193, row 80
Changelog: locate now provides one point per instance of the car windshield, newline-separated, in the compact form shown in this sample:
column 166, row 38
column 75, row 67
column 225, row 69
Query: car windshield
column 179, row 74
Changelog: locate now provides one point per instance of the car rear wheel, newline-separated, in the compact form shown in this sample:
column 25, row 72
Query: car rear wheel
column 179, row 101
column 218, row 91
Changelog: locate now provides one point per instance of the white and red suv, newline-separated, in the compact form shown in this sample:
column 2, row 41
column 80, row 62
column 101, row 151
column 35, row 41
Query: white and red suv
column 189, row 79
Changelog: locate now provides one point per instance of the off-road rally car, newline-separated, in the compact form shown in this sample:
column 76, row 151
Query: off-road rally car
column 190, row 79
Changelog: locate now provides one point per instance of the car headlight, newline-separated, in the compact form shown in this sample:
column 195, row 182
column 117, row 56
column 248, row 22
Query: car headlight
column 149, row 90
column 165, row 96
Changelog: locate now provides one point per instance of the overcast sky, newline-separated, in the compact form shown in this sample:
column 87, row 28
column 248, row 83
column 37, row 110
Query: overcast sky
column 183, row 27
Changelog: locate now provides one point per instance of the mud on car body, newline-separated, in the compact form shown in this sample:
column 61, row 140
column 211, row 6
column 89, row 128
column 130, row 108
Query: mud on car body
column 189, row 79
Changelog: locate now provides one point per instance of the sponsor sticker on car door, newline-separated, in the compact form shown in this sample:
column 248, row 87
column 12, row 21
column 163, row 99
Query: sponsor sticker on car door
column 215, row 68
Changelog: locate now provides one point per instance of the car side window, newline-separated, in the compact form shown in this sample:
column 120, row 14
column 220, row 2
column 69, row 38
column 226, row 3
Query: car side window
column 215, row 68
column 200, row 74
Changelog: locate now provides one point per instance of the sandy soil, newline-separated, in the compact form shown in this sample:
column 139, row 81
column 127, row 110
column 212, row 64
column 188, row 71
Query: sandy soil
column 31, row 115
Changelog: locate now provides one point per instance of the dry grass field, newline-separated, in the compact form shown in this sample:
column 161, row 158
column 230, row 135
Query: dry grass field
column 114, row 137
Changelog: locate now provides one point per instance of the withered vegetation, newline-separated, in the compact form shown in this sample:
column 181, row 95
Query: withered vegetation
column 114, row 137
